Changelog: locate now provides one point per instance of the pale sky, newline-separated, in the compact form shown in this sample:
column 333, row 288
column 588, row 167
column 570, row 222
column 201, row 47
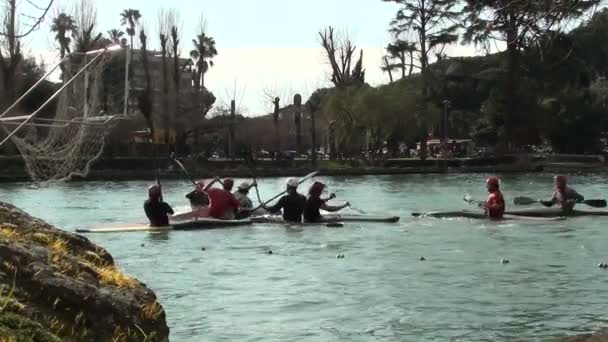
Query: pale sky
column 262, row 44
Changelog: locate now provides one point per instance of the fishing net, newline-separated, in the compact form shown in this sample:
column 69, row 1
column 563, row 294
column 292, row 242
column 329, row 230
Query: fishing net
column 64, row 145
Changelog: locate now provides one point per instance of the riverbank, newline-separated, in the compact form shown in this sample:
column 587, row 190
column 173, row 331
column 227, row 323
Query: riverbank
column 133, row 168
column 58, row 286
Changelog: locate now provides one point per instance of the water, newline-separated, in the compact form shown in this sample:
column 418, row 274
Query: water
column 381, row 291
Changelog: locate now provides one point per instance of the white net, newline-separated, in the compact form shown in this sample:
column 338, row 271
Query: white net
column 66, row 144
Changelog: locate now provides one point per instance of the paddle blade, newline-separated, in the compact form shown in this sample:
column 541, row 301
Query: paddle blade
column 524, row 200
column 596, row 203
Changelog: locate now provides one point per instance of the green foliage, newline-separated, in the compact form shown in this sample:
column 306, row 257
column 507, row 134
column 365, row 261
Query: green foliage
column 575, row 121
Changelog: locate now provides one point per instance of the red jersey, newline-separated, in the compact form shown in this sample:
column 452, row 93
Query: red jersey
column 495, row 205
column 220, row 203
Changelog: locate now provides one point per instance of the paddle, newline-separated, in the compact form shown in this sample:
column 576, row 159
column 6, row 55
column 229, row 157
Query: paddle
column 181, row 166
column 467, row 198
column 249, row 160
column 522, row 200
column 305, row 178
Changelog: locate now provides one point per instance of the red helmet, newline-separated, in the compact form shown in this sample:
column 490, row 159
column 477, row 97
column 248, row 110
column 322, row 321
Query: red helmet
column 228, row 183
column 154, row 191
column 316, row 189
column 493, row 181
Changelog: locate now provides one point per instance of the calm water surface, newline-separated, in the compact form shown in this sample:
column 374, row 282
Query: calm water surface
column 381, row 291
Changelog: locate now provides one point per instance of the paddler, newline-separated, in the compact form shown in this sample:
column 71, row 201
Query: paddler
column 198, row 198
column 242, row 195
column 222, row 204
column 564, row 196
column 156, row 210
column 292, row 203
column 494, row 206
column 315, row 203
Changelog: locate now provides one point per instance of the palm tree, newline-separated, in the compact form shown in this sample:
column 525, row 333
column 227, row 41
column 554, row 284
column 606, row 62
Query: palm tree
column 203, row 54
column 115, row 35
column 130, row 18
column 62, row 25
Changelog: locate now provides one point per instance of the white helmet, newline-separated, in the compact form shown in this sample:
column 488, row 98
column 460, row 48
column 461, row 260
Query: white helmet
column 244, row 186
column 292, row 183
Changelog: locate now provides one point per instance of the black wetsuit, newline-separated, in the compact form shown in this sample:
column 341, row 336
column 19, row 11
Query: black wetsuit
column 198, row 198
column 311, row 209
column 157, row 212
column 292, row 205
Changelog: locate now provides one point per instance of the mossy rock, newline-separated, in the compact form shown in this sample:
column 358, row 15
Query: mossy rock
column 17, row 328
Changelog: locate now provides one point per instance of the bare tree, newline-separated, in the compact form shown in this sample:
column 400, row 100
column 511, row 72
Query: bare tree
column 340, row 49
column 86, row 35
column 11, row 39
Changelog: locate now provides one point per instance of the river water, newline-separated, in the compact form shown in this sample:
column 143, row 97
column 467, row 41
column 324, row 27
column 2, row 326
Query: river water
column 381, row 290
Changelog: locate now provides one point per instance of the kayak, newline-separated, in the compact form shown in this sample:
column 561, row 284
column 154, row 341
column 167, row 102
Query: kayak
column 481, row 215
column 193, row 224
column 556, row 212
column 329, row 219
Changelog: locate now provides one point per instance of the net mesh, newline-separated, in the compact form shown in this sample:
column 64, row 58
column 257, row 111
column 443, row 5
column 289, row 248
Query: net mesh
column 65, row 145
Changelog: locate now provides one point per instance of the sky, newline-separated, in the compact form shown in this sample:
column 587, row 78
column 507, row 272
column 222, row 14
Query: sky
column 263, row 45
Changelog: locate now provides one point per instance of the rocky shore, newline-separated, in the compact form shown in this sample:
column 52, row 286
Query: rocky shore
column 58, row 286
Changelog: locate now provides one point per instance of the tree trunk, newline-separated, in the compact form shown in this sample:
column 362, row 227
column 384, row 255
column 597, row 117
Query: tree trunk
column 388, row 69
column 511, row 84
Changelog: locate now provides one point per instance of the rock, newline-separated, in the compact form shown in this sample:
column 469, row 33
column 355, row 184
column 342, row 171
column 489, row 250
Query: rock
column 64, row 287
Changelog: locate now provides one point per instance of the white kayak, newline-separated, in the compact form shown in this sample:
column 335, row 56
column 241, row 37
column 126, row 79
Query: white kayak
column 193, row 224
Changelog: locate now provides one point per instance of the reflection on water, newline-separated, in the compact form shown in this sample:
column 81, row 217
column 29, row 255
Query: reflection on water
column 224, row 284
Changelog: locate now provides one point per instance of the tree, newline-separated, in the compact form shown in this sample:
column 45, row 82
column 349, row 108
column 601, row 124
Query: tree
column 115, row 35
column 163, row 36
column 402, row 51
column 62, row 25
column 434, row 24
column 203, row 54
column 130, row 18
column 86, row 36
column 10, row 43
column 339, row 50
column 519, row 24
column 145, row 97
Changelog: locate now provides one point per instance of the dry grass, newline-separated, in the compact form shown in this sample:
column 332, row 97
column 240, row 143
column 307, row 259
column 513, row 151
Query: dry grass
column 112, row 276
column 7, row 339
column 59, row 246
column 9, row 234
column 41, row 238
column 151, row 311
column 124, row 335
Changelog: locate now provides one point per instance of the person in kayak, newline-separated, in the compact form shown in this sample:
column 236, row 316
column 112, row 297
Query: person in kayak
column 292, row 204
column 494, row 206
column 315, row 203
column 156, row 210
column 222, row 204
column 198, row 198
column 242, row 195
column 564, row 196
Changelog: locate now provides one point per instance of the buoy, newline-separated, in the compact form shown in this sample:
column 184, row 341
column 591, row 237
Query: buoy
column 504, row 261
column 203, row 249
column 422, row 258
column 142, row 245
column 269, row 252
column 340, row 256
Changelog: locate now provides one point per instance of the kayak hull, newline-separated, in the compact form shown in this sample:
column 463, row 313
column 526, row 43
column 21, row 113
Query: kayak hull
column 556, row 212
column 481, row 215
column 193, row 224
column 329, row 219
